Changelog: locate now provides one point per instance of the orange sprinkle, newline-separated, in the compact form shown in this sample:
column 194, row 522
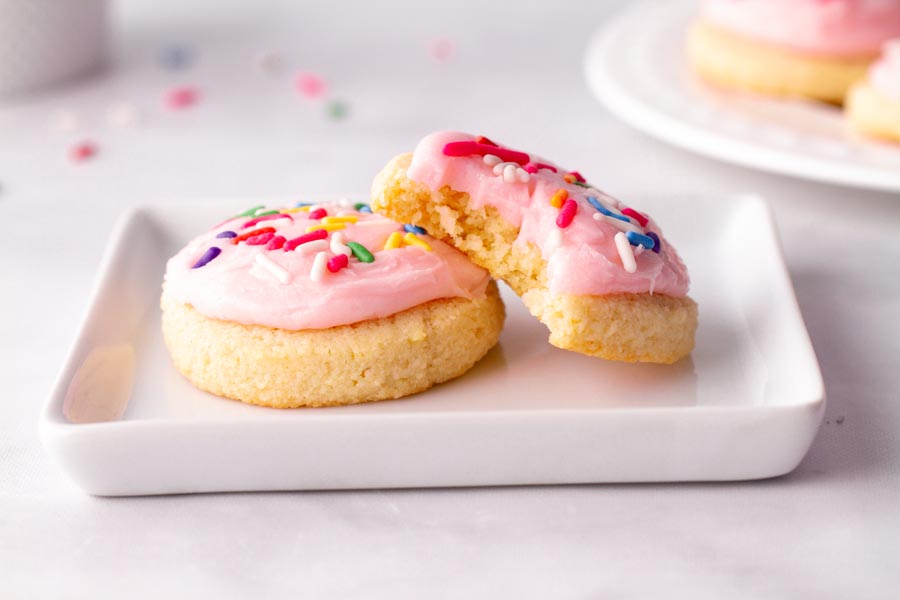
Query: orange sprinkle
column 558, row 198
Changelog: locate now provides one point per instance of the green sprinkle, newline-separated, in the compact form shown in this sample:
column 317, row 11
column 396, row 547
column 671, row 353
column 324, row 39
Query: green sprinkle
column 250, row 212
column 360, row 205
column 583, row 184
column 268, row 212
column 336, row 110
column 360, row 252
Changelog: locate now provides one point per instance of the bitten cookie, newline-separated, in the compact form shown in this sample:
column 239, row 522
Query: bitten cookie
column 324, row 305
column 800, row 48
column 598, row 274
column 873, row 106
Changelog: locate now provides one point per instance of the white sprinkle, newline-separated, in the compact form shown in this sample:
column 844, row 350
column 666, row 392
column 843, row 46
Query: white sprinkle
column 280, row 273
column 277, row 221
column 625, row 253
column 122, row 115
column 337, row 244
column 269, row 62
column 638, row 250
column 618, row 223
column 498, row 168
column 554, row 241
column 310, row 247
column 509, row 173
column 345, row 202
column 492, row 159
column 522, row 175
column 318, row 267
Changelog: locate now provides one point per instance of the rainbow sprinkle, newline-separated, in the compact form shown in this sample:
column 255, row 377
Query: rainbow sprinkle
column 567, row 213
column 338, row 262
column 394, row 240
column 211, row 253
column 560, row 196
column 329, row 227
column 317, row 272
column 303, row 239
column 410, row 228
column 280, row 273
column 413, row 240
column 253, row 233
column 626, row 254
column 226, row 234
column 361, row 253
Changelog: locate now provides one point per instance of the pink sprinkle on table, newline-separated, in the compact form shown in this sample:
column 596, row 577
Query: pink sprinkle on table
column 441, row 49
column 310, row 85
column 181, row 97
column 82, row 151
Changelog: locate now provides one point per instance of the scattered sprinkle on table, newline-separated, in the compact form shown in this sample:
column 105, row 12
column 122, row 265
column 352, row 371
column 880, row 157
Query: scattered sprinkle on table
column 336, row 110
column 310, row 85
column 179, row 98
column 123, row 115
column 176, row 57
column 82, row 151
column 441, row 49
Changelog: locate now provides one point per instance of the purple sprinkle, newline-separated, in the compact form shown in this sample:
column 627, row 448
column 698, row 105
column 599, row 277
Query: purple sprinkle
column 226, row 234
column 207, row 257
column 656, row 243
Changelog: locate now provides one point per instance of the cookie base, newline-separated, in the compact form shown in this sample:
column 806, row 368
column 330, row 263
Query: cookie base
column 872, row 113
column 736, row 62
column 379, row 359
column 627, row 327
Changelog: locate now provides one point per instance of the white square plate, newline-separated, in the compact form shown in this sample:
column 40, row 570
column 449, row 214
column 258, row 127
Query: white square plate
column 745, row 405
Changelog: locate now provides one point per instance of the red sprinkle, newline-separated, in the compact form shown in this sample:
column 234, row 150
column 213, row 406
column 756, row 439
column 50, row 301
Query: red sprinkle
column 483, row 140
column 253, row 222
column 250, row 234
column 181, row 97
column 539, row 165
column 338, row 262
column 276, row 242
column 82, row 151
column 566, row 213
column 578, row 176
column 259, row 240
column 310, row 85
column 318, row 213
column 469, row 148
column 318, row 234
column 630, row 212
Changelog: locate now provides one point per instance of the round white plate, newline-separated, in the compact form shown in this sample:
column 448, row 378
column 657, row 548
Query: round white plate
column 637, row 68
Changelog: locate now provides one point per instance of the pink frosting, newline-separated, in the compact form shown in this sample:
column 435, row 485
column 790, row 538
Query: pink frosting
column 234, row 287
column 884, row 75
column 582, row 258
column 817, row 27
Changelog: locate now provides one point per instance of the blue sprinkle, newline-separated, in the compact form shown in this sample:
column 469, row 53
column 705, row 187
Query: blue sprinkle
column 207, row 257
column 363, row 207
column 656, row 243
column 414, row 229
column 299, row 204
column 605, row 211
column 176, row 57
column 227, row 234
column 637, row 239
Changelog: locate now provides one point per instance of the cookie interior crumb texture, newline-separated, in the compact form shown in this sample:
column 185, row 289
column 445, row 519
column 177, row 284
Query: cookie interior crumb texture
column 627, row 327
column 378, row 359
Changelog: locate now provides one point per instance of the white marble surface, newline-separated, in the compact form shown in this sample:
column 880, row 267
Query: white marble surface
column 831, row 529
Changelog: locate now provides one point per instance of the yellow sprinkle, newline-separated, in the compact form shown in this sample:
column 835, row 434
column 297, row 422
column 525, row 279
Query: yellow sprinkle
column 413, row 240
column 332, row 220
column 558, row 198
column 394, row 240
column 329, row 227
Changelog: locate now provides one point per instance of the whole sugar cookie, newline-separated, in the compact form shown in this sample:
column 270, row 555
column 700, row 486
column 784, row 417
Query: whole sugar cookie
column 324, row 305
column 800, row 48
column 599, row 275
